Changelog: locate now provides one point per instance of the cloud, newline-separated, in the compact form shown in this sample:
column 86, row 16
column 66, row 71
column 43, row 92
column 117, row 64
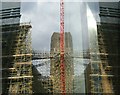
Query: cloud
column 27, row 7
column 44, row 17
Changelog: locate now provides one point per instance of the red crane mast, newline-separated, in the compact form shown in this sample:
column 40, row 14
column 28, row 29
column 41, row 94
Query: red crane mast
column 62, row 65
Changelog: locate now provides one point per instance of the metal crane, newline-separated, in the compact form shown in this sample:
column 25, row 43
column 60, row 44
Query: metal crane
column 62, row 65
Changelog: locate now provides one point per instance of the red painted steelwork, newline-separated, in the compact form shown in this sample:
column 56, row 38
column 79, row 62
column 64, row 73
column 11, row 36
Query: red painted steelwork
column 62, row 65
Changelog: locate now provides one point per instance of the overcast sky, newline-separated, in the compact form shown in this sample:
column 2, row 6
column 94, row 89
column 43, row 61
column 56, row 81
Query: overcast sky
column 45, row 19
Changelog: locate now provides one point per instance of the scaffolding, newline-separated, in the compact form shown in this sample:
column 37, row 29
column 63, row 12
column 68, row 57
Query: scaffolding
column 55, row 66
column 100, row 71
column 17, row 59
column 103, row 70
column 106, row 69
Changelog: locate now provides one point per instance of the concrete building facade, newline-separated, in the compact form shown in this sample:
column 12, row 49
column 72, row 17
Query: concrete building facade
column 55, row 62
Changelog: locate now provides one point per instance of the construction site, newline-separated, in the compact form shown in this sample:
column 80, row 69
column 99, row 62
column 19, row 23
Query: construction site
column 73, row 64
column 16, row 54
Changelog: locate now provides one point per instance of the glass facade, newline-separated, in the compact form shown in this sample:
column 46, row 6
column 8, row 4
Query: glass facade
column 80, row 21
